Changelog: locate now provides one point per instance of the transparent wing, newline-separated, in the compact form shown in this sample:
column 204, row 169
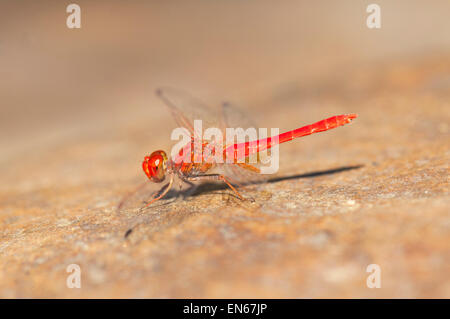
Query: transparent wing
column 234, row 117
column 184, row 108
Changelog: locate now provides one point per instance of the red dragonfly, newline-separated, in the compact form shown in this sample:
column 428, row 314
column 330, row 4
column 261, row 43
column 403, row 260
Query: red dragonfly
column 185, row 109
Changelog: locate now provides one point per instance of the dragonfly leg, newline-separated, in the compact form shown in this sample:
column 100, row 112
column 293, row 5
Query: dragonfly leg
column 216, row 177
column 251, row 168
column 164, row 190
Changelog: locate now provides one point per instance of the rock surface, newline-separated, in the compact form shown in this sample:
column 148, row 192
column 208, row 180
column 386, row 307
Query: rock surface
column 80, row 114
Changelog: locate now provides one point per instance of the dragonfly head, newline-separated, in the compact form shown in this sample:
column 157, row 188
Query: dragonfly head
column 155, row 166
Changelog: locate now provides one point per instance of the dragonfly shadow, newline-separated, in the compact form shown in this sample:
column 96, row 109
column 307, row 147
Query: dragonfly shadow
column 208, row 187
column 315, row 173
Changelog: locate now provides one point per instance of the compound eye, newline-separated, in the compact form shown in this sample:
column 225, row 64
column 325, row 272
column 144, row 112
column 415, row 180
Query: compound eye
column 158, row 163
column 155, row 166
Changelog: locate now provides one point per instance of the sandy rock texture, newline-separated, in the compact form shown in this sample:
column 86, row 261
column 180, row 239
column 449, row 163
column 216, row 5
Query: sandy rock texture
column 78, row 114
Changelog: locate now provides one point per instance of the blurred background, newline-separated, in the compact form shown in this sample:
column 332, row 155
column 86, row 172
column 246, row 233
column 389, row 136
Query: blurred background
column 59, row 81
column 78, row 113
